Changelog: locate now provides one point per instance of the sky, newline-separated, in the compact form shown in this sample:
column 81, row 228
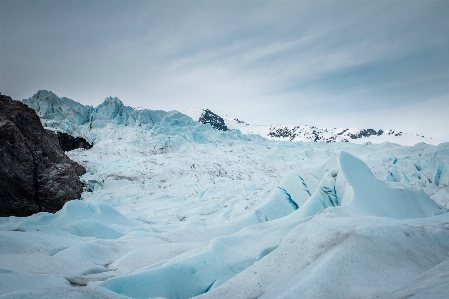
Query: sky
column 364, row 64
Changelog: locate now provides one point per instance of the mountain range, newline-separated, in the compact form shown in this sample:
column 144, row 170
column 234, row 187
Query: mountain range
column 66, row 115
column 300, row 132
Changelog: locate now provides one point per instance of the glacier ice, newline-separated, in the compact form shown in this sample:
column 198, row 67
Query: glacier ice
column 58, row 113
column 176, row 209
column 66, row 115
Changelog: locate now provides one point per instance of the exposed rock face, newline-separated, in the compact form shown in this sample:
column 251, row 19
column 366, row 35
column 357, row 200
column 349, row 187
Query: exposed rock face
column 35, row 174
column 366, row 133
column 68, row 142
column 310, row 133
column 216, row 121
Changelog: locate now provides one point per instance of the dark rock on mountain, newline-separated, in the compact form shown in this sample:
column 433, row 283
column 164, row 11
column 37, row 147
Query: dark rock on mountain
column 299, row 132
column 35, row 174
column 282, row 133
column 391, row 132
column 315, row 136
column 291, row 133
column 68, row 142
column 342, row 132
column 366, row 133
column 217, row 122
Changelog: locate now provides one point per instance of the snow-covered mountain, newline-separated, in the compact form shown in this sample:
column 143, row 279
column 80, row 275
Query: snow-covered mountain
column 66, row 115
column 174, row 208
column 306, row 132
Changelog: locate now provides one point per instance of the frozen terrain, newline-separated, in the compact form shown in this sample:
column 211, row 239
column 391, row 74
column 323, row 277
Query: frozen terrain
column 175, row 209
column 307, row 132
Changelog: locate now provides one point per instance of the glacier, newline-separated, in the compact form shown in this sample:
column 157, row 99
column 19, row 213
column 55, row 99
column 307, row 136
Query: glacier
column 173, row 208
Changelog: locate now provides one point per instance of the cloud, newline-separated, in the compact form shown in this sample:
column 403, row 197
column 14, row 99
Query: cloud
column 264, row 62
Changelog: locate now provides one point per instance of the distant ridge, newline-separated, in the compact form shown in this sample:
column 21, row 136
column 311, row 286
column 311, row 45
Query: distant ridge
column 65, row 115
column 305, row 132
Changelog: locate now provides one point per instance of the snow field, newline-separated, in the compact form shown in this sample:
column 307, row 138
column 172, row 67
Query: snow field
column 175, row 209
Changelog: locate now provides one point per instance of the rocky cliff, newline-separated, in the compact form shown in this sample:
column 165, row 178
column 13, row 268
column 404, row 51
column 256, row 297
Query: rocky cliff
column 35, row 174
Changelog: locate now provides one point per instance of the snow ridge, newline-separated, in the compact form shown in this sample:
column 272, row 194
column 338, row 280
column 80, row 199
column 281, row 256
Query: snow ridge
column 311, row 133
column 66, row 115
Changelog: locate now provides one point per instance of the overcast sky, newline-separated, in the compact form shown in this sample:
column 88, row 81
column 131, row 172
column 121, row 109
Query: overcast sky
column 365, row 64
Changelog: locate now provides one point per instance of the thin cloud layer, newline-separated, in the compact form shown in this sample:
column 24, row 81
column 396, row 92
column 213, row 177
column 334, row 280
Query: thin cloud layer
column 325, row 63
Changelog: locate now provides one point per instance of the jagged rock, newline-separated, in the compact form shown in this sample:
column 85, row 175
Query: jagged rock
column 217, row 122
column 366, row 133
column 35, row 174
column 68, row 142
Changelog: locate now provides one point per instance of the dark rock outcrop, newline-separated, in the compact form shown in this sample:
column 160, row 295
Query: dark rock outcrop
column 69, row 143
column 366, row 133
column 35, row 174
column 314, row 134
column 216, row 121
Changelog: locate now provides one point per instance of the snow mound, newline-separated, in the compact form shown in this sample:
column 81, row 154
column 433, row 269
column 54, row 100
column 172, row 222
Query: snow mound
column 342, row 257
column 75, row 211
column 433, row 284
column 199, row 270
column 346, row 187
column 348, row 182
column 375, row 198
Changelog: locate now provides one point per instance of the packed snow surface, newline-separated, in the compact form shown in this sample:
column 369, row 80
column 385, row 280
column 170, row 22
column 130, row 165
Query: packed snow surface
column 175, row 209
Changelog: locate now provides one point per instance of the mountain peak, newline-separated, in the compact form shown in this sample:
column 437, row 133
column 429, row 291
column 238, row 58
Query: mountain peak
column 110, row 108
column 113, row 101
column 307, row 133
column 63, row 114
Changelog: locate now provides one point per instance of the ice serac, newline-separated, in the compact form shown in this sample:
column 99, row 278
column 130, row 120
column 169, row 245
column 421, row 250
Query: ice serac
column 113, row 110
column 35, row 174
column 347, row 182
column 68, row 116
column 374, row 198
column 58, row 113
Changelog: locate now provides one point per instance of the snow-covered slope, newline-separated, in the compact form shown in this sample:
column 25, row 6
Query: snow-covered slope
column 63, row 114
column 306, row 132
column 176, row 209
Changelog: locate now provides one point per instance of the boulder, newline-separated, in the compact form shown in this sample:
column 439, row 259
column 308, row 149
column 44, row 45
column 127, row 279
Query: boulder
column 35, row 173
column 69, row 143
